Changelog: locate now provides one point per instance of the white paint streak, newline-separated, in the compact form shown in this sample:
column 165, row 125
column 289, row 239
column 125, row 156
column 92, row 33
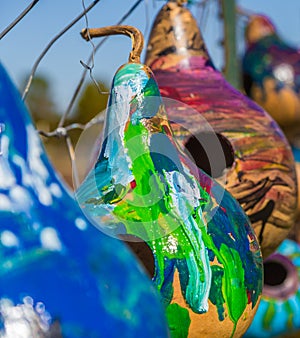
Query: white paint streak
column 80, row 223
column 9, row 239
column 55, row 190
column 35, row 151
column 20, row 197
column 4, row 146
column 183, row 193
column 39, row 171
column 44, row 195
column 5, row 203
column 23, row 320
column 50, row 240
column 119, row 112
column 7, row 177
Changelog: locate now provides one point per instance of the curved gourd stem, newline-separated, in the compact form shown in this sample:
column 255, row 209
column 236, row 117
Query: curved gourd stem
column 135, row 35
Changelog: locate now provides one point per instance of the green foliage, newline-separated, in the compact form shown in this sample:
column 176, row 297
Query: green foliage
column 41, row 104
column 90, row 103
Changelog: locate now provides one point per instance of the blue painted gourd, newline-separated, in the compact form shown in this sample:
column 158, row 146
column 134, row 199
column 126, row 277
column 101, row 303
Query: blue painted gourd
column 271, row 73
column 278, row 314
column 202, row 252
column 60, row 276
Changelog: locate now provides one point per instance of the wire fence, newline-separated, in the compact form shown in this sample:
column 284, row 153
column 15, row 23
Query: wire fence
column 206, row 11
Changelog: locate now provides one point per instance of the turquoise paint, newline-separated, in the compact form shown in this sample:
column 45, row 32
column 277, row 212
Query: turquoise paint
column 275, row 316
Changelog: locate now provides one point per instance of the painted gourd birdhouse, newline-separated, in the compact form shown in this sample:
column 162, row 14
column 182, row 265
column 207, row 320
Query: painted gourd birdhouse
column 278, row 314
column 255, row 163
column 191, row 234
column 271, row 73
column 60, row 276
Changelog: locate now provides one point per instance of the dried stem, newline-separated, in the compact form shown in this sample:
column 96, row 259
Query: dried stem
column 135, row 35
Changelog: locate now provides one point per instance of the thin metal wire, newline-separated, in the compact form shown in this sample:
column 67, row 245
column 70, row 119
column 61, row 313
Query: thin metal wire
column 244, row 12
column 18, row 18
column 90, row 67
column 62, row 131
column 97, row 47
column 201, row 10
column 60, row 34
column 147, row 17
column 205, row 14
column 71, row 151
column 201, row 3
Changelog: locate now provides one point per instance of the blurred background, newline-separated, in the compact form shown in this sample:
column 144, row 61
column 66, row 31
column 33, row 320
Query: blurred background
column 60, row 70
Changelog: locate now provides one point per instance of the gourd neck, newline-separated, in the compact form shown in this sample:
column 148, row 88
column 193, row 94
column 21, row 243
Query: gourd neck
column 175, row 36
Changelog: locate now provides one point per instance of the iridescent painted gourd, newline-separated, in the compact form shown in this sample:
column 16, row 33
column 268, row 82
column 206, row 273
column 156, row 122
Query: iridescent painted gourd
column 296, row 153
column 60, row 276
column 278, row 314
column 204, row 257
column 258, row 169
column 271, row 70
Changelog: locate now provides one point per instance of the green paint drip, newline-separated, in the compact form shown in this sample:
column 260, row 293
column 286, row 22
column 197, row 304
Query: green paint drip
column 233, row 289
column 233, row 281
column 151, row 207
column 269, row 315
column 179, row 321
column 297, row 294
column 215, row 295
column 147, row 210
column 289, row 311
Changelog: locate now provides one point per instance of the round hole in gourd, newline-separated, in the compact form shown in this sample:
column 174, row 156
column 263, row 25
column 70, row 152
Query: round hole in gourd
column 280, row 277
column 143, row 252
column 275, row 273
column 204, row 149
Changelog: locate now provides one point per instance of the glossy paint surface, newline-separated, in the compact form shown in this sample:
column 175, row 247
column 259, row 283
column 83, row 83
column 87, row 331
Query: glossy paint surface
column 60, row 276
column 144, row 186
column 279, row 314
column 260, row 173
column 271, row 70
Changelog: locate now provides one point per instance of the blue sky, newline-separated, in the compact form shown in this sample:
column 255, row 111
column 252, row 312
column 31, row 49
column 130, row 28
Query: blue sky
column 21, row 47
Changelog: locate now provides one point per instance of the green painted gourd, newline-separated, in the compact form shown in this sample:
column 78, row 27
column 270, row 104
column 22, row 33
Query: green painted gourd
column 191, row 234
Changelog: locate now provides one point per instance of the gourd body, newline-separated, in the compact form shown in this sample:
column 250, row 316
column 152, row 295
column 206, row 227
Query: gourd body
column 271, row 73
column 199, row 246
column 278, row 314
column 252, row 159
